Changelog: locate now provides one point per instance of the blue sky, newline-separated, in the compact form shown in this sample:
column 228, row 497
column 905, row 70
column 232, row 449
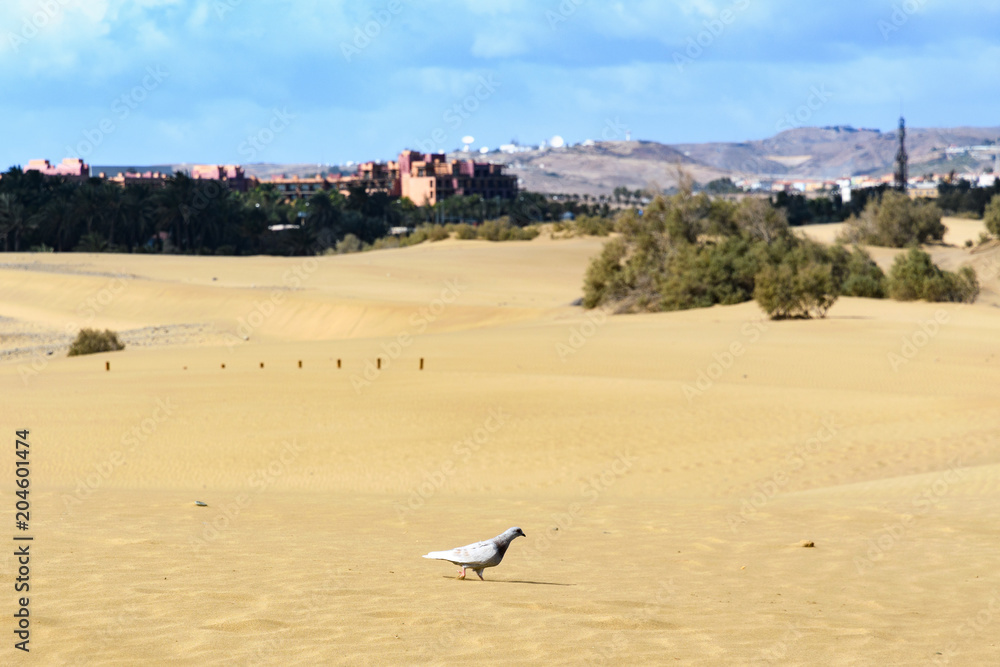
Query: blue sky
column 218, row 81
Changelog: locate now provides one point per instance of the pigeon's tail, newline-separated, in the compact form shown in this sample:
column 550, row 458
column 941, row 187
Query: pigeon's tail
column 439, row 555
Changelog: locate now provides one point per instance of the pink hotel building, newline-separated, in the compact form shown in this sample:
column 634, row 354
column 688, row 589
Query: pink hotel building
column 425, row 178
column 430, row 178
column 71, row 168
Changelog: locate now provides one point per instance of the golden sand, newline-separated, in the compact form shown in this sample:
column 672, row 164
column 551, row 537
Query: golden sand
column 666, row 468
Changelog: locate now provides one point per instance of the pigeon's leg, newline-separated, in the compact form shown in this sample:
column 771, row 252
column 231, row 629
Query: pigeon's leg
column 479, row 571
column 461, row 573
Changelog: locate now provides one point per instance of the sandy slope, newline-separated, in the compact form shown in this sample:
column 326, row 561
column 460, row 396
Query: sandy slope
column 664, row 467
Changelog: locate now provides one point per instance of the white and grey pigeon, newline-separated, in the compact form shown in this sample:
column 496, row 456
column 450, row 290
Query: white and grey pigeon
column 480, row 555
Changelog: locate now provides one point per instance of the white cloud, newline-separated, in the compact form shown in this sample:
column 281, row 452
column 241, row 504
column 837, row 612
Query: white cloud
column 498, row 45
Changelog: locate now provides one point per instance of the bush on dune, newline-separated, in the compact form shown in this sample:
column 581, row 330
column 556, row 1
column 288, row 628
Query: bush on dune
column 895, row 222
column 502, row 229
column 991, row 216
column 592, row 225
column 92, row 341
column 350, row 243
column 689, row 252
column 463, row 231
column 914, row 276
column 860, row 275
column 795, row 291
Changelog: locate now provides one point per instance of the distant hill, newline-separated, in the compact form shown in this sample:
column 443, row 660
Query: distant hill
column 806, row 152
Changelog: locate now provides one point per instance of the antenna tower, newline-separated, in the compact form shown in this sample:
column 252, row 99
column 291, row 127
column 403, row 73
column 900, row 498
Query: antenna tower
column 901, row 157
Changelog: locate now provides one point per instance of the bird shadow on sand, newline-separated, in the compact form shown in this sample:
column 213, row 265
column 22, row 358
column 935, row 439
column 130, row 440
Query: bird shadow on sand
column 512, row 581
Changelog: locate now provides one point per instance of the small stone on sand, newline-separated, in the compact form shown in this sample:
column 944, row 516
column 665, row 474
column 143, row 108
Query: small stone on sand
column 806, row 543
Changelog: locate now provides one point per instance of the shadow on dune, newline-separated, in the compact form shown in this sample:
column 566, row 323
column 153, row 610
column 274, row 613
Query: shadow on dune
column 505, row 581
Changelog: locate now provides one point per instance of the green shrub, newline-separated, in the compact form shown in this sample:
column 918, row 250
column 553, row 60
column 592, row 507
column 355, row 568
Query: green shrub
column 798, row 278
column 698, row 276
column 991, row 216
column 914, row 276
column 760, row 220
column 425, row 232
column 350, row 243
column 790, row 291
column 92, row 341
column 864, row 286
column 605, row 281
column 862, row 276
column 385, row 243
column 463, row 231
column 501, row 229
column 590, row 225
column 492, row 230
column 663, row 261
column 895, row 222
column 434, row 232
column 92, row 242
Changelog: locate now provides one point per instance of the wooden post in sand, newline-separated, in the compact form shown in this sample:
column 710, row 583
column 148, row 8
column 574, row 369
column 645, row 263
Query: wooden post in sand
column 378, row 362
column 107, row 365
column 300, row 363
column 338, row 363
column 223, row 367
column 262, row 364
column 421, row 363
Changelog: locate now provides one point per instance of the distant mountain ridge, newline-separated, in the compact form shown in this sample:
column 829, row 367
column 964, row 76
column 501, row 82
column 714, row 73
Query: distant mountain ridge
column 805, row 152
column 836, row 152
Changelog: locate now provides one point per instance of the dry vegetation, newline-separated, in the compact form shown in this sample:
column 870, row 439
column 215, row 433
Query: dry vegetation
column 689, row 251
column 92, row 341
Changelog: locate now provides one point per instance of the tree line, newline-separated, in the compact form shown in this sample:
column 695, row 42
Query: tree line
column 196, row 216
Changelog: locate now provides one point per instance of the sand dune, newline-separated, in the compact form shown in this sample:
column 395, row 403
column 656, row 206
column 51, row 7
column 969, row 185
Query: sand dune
column 665, row 468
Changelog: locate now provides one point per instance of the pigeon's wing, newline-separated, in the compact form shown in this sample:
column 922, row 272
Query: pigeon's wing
column 480, row 553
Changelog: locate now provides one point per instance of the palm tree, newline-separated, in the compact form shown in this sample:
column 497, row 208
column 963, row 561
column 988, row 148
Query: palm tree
column 56, row 220
column 87, row 203
column 137, row 210
column 110, row 195
column 12, row 219
column 173, row 208
column 322, row 211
